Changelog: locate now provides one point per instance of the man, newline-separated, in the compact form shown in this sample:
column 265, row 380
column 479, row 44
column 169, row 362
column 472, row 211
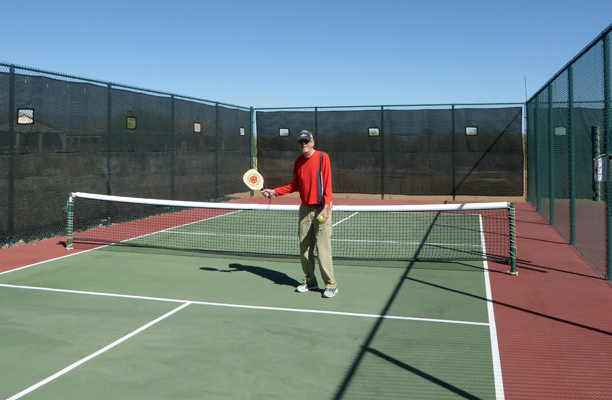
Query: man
column 312, row 178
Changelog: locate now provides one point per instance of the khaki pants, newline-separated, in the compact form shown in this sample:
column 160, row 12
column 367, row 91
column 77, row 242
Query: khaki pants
column 312, row 233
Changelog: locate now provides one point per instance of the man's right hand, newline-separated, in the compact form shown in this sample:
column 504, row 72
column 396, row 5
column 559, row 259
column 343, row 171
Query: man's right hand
column 268, row 193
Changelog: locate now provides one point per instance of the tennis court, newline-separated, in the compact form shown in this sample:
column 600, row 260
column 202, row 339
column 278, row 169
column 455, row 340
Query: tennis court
column 137, row 322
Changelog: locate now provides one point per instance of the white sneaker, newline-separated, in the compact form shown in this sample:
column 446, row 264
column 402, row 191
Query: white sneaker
column 304, row 287
column 329, row 293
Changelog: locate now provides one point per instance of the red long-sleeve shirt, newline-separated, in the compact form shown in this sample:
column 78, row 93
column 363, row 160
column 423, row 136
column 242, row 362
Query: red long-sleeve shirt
column 311, row 179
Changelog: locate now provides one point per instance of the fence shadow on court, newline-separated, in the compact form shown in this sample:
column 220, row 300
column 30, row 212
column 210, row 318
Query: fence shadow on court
column 522, row 309
column 369, row 350
column 382, row 365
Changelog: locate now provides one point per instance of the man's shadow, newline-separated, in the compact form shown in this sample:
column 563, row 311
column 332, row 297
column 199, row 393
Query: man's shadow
column 279, row 278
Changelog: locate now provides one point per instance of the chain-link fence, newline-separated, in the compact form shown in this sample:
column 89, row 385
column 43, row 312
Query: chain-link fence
column 426, row 150
column 60, row 134
column 569, row 125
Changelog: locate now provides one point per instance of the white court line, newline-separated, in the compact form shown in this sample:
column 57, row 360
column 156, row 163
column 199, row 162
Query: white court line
column 106, row 245
column 52, row 259
column 230, row 235
column 407, row 243
column 169, row 230
column 243, row 306
column 341, row 221
column 294, row 238
column 491, row 323
column 497, row 372
column 97, row 353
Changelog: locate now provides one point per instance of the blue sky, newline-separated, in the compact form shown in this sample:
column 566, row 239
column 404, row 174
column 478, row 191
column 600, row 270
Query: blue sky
column 307, row 53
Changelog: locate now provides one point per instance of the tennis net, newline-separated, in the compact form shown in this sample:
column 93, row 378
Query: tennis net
column 407, row 232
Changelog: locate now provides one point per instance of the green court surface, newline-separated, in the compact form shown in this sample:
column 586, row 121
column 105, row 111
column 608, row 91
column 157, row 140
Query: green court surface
column 123, row 323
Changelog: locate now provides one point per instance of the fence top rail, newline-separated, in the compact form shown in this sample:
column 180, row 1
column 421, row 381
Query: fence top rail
column 600, row 37
column 118, row 85
column 379, row 106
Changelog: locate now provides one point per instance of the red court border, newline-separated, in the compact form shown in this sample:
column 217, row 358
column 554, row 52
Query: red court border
column 554, row 320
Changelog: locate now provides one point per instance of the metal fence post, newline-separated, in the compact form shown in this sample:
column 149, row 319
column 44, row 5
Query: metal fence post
column 217, row 133
column 608, row 133
column 453, row 146
column 382, row 152
column 252, row 144
column 109, row 147
column 551, row 163
column 11, row 160
column 572, row 167
column 538, row 167
column 172, row 148
column 252, row 140
column 316, row 127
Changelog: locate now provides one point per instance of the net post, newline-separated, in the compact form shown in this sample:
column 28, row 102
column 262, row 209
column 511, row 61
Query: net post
column 69, row 209
column 512, row 232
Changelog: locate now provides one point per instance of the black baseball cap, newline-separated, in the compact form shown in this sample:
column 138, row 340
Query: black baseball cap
column 305, row 135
